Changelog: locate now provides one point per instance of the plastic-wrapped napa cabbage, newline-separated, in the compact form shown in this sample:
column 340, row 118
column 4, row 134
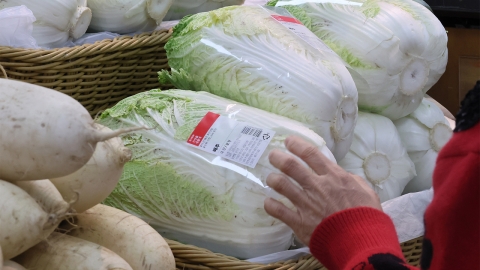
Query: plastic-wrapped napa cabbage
column 188, row 192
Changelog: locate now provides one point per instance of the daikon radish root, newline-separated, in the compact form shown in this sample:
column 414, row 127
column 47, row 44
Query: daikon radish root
column 46, row 195
column 128, row 236
column 45, row 133
column 93, row 183
column 23, row 222
column 64, row 252
column 11, row 265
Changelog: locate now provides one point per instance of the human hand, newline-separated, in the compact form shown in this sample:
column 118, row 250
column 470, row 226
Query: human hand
column 325, row 188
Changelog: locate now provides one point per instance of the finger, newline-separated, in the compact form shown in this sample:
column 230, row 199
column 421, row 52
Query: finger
column 310, row 154
column 279, row 211
column 281, row 184
column 291, row 166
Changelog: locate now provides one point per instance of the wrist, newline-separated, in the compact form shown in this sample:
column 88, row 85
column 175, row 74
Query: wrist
column 348, row 233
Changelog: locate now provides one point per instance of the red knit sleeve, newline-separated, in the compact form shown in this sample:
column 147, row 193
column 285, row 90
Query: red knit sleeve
column 452, row 220
column 358, row 239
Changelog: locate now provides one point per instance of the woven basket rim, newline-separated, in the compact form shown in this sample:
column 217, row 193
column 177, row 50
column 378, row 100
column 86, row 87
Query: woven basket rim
column 25, row 56
column 107, row 40
column 98, row 75
column 193, row 257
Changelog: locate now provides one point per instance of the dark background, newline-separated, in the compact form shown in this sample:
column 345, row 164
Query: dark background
column 457, row 13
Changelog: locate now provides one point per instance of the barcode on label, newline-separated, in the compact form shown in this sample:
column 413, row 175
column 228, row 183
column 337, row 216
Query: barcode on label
column 255, row 132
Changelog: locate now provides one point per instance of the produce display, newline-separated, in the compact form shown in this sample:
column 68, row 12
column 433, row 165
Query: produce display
column 190, row 164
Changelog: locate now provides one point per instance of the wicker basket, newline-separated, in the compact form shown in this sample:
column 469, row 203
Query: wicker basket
column 190, row 257
column 97, row 75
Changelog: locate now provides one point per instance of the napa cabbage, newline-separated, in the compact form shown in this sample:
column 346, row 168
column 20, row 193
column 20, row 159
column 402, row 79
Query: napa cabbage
column 378, row 156
column 242, row 53
column 423, row 133
column 395, row 50
column 191, row 195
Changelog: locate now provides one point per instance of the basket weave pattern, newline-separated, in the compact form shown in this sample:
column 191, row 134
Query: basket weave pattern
column 189, row 257
column 97, row 75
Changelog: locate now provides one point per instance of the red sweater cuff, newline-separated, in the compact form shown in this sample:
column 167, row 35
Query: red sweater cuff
column 350, row 236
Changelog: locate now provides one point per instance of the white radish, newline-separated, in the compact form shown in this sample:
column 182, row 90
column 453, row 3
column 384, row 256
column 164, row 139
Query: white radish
column 93, row 183
column 23, row 222
column 45, row 133
column 46, row 195
column 128, row 236
column 64, row 252
column 11, row 265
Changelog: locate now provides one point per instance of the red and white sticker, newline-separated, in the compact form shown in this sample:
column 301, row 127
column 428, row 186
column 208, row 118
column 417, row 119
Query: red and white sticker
column 302, row 31
column 233, row 140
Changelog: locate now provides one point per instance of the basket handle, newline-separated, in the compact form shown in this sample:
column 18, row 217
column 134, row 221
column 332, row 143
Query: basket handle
column 3, row 71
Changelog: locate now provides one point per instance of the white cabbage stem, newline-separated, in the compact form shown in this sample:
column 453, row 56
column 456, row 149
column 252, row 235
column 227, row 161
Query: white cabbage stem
column 414, row 77
column 378, row 156
column 80, row 22
column 377, row 168
column 424, row 132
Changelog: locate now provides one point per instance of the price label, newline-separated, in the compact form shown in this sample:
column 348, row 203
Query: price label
column 233, row 140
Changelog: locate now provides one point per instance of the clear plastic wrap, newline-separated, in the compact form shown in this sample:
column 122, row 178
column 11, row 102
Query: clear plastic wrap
column 395, row 50
column 16, row 25
column 56, row 22
column 182, row 8
column 196, row 194
column 265, row 58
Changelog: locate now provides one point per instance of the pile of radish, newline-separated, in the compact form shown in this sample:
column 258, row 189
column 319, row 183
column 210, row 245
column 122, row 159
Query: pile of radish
column 56, row 166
